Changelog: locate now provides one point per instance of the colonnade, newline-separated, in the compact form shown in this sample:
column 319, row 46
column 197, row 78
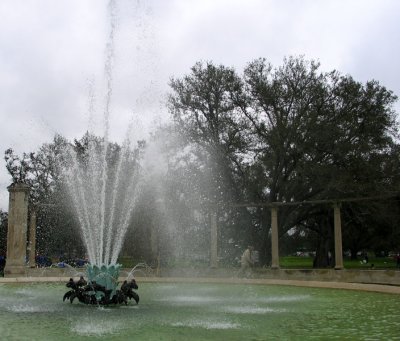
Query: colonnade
column 275, row 237
column 17, row 243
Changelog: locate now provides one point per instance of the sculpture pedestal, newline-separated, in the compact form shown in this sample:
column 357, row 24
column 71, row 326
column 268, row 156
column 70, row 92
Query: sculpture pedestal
column 106, row 276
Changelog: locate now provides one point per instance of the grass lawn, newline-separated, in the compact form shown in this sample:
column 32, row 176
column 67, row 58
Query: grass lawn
column 294, row 262
column 128, row 262
column 288, row 262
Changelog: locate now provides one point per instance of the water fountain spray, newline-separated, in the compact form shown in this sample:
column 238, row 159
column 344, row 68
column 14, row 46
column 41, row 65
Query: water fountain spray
column 104, row 183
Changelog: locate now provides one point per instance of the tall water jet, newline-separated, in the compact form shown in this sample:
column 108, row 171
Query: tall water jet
column 103, row 180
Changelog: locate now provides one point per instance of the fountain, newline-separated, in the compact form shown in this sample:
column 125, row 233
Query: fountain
column 101, row 289
column 103, row 183
column 104, row 191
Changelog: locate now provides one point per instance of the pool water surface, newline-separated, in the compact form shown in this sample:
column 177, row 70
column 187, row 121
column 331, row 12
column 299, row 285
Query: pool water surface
column 176, row 311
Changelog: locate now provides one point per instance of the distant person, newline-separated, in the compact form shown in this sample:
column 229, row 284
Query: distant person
column 398, row 261
column 2, row 263
column 39, row 261
column 80, row 262
column 329, row 259
column 246, row 262
column 365, row 260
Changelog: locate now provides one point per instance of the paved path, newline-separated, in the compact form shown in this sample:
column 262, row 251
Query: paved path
column 389, row 289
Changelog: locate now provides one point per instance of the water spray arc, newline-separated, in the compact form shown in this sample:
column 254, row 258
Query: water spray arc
column 103, row 180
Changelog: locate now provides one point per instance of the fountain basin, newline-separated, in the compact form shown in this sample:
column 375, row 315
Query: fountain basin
column 201, row 311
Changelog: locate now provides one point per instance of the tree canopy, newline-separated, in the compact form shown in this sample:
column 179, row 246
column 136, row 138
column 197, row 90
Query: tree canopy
column 291, row 133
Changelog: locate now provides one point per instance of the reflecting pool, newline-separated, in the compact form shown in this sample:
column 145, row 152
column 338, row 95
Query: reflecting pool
column 201, row 312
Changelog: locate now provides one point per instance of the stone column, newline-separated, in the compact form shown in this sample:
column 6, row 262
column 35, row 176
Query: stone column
column 274, row 238
column 338, row 237
column 154, row 242
column 32, row 239
column 214, row 240
column 17, row 227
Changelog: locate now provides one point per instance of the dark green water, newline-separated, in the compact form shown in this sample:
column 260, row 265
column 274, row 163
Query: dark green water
column 201, row 312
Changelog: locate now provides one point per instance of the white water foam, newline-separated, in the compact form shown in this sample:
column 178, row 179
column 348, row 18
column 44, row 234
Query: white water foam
column 207, row 324
column 29, row 293
column 292, row 298
column 96, row 328
column 25, row 292
column 191, row 299
column 251, row 310
column 28, row 308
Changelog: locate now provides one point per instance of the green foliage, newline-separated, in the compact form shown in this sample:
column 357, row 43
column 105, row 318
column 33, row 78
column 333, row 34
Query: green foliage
column 294, row 134
column 3, row 232
column 287, row 134
column 295, row 262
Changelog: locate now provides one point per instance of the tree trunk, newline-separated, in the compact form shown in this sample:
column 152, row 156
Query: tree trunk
column 324, row 256
column 353, row 252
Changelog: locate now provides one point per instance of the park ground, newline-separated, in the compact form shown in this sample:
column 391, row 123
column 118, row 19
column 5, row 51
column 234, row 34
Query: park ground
column 292, row 262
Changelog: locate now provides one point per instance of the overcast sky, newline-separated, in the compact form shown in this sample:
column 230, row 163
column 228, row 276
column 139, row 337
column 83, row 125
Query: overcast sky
column 53, row 52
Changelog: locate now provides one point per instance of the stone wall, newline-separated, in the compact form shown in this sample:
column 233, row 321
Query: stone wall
column 388, row 277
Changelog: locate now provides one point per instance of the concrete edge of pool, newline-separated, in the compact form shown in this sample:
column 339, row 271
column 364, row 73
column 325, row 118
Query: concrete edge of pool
column 382, row 288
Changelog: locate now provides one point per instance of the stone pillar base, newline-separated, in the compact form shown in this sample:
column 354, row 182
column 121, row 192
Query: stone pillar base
column 15, row 271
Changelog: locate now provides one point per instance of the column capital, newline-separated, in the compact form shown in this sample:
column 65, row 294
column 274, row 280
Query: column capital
column 18, row 187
